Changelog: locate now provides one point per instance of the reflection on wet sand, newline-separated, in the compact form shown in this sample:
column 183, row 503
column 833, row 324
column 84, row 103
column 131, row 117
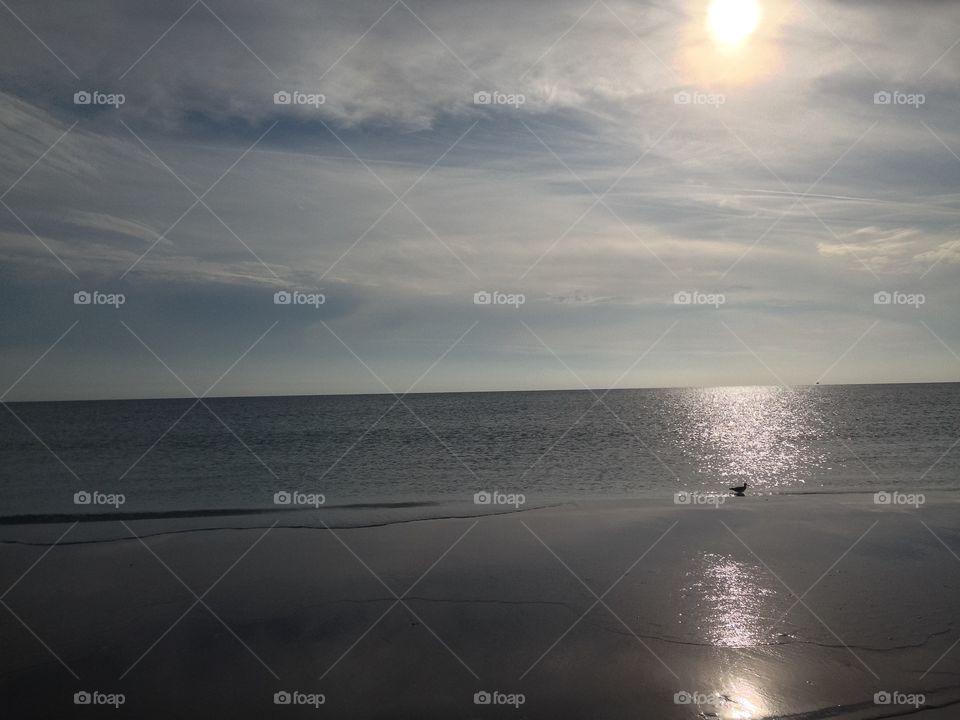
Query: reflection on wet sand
column 731, row 601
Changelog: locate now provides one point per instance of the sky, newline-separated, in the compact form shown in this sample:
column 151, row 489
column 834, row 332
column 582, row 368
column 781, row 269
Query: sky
column 649, row 194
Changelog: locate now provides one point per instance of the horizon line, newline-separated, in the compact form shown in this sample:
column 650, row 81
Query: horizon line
column 475, row 392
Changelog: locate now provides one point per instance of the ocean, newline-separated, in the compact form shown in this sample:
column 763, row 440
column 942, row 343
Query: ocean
column 181, row 457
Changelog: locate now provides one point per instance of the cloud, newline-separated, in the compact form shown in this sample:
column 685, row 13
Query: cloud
column 599, row 197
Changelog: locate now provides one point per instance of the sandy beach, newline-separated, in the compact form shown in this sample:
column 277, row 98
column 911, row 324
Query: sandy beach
column 763, row 607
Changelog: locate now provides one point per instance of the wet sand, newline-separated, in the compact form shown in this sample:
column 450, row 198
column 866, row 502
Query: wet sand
column 592, row 610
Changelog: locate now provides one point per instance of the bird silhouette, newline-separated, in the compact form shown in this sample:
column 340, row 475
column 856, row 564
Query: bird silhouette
column 740, row 489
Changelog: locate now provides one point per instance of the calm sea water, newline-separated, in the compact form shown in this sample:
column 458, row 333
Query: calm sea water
column 174, row 455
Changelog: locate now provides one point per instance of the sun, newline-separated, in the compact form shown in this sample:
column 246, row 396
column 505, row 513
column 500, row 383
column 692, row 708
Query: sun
column 731, row 21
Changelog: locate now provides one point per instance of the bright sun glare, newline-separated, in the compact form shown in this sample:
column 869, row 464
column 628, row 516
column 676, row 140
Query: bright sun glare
column 731, row 21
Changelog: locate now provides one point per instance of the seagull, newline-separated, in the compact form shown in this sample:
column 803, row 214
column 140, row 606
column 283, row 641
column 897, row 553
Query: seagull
column 740, row 489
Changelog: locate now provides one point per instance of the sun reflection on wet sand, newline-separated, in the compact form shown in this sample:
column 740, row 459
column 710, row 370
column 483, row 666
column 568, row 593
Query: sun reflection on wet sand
column 732, row 602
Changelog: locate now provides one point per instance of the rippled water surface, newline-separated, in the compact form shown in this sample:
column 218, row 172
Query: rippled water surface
column 236, row 452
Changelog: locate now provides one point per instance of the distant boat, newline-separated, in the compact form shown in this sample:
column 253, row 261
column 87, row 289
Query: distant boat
column 740, row 489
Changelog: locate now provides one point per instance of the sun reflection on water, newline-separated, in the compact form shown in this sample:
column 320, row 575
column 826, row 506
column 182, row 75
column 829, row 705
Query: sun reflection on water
column 764, row 435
